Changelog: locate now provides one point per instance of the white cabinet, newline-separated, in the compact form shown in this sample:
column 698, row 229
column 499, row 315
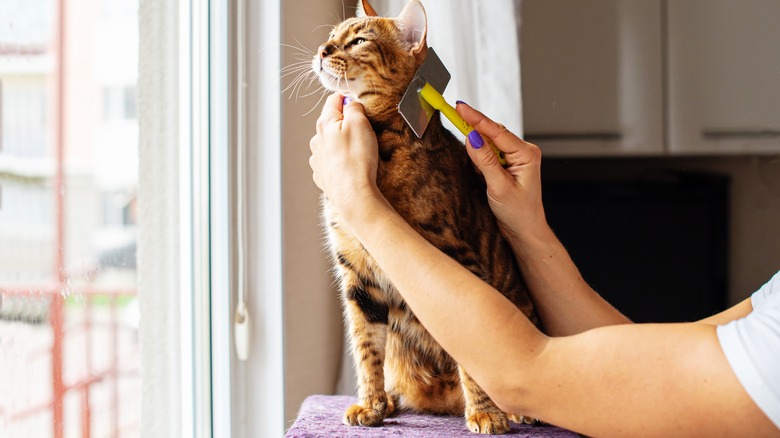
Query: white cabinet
column 724, row 76
column 591, row 78
column 651, row 77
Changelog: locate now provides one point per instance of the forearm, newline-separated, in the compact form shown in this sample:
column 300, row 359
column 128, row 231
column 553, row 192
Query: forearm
column 454, row 305
column 565, row 302
column 738, row 311
column 588, row 382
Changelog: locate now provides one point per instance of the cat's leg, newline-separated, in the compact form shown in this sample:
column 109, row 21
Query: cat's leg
column 367, row 324
column 392, row 402
column 482, row 415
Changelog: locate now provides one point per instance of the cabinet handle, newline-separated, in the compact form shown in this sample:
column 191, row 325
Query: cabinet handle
column 736, row 134
column 573, row 136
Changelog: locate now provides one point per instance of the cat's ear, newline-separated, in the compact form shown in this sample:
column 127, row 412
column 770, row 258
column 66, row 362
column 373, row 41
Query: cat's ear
column 364, row 9
column 414, row 27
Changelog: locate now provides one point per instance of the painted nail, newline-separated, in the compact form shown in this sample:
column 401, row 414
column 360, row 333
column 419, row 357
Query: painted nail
column 346, row 100
column 458, row 102
column 476, row 140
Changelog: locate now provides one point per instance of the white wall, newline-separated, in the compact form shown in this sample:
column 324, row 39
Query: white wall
column 313, row 328
column 158, row 220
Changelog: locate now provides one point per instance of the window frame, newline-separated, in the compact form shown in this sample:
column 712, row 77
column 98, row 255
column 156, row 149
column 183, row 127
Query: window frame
column 218, row 390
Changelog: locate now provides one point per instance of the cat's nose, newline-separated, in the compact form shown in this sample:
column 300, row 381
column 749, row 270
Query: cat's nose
column 326, row 49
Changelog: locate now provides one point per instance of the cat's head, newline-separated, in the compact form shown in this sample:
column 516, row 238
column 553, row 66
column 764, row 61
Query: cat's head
column 373, row 59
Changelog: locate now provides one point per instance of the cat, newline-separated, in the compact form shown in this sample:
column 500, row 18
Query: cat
column 433, row 185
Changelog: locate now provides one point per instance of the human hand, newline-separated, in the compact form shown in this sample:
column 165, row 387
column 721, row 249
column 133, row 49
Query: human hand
column 514, row 192
column 344, row 153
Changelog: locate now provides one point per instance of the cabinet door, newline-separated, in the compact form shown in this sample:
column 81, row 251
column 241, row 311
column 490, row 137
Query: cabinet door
column 724, row 76
column 592, row 76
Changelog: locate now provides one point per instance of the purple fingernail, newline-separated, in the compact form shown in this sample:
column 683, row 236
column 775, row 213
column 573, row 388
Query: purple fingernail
column 458, row 102
column 476, row 140
column 347, row 100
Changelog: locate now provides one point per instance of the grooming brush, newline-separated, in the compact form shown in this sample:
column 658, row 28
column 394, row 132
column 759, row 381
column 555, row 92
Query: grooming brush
column 423, row 97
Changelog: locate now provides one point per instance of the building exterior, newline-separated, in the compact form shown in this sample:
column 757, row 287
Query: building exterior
column 68, row 316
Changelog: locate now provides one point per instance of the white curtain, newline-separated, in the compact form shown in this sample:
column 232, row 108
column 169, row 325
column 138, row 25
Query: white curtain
column 477, row 40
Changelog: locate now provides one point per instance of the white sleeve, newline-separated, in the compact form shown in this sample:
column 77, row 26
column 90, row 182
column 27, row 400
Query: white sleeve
column 772, row 287
column 752, row 348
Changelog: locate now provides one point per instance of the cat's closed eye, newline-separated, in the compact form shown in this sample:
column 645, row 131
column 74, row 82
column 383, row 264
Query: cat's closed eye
column 356, row 42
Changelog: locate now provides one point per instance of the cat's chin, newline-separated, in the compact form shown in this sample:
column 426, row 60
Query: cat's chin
column 332, row 87
column 329, row 83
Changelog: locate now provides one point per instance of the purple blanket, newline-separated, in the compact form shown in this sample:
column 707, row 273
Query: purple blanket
column 321, row 416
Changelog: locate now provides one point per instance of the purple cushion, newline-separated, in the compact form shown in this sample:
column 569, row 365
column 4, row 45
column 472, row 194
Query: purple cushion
column 321, row 416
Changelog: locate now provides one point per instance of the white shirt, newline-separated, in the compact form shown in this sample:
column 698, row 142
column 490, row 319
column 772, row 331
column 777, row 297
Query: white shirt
column 752, row 348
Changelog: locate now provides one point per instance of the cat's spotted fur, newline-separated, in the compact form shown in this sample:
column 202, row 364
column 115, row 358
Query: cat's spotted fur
column 432, row 184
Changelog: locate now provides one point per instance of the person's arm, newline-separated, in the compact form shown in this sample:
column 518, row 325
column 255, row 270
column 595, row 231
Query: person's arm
column 740, row 310
column 565, row 302
column 623, row 380
column 620, row 380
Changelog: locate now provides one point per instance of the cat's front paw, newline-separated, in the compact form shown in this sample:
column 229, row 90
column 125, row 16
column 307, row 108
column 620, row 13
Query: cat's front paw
column 488, row 422
column 522, row 419
column 358, row 415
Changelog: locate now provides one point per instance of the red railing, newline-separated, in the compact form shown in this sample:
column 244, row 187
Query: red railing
column 88, row 376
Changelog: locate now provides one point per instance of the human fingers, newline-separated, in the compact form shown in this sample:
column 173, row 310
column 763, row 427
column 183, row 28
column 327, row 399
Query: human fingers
column 355, row 113
column 487, row 162
column 496, row 177
column 331, row 112
column 505, row 140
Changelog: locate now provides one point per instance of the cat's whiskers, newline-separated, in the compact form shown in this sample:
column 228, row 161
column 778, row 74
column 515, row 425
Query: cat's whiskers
column 346, row 81
column 300, row 69
column 297, row 82
column 296, row 71
column 303, row 71
column 302, row 56
column 316, row 105
column 312, row 79
column 308, row 86
column 321, row 26
column 300, row 47
column 319, row 88
column 294, row 68
column 338, row 83
column 334, row 16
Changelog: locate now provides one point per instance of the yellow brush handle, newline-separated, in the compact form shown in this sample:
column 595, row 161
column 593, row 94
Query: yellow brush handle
column 436, row 100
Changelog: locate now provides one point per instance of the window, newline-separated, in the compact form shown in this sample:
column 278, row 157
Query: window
column 69, row 315
column 116, row 207
column 119, row 102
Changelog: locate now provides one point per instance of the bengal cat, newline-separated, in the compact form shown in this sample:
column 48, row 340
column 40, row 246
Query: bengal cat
column 433, row 185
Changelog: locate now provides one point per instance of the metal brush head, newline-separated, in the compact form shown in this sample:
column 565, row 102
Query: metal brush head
column 413, row 108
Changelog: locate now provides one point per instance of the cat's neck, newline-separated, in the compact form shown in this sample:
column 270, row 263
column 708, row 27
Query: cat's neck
column 383, row 114
column 381, row 109
column 388, row 121
column 393, row 132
